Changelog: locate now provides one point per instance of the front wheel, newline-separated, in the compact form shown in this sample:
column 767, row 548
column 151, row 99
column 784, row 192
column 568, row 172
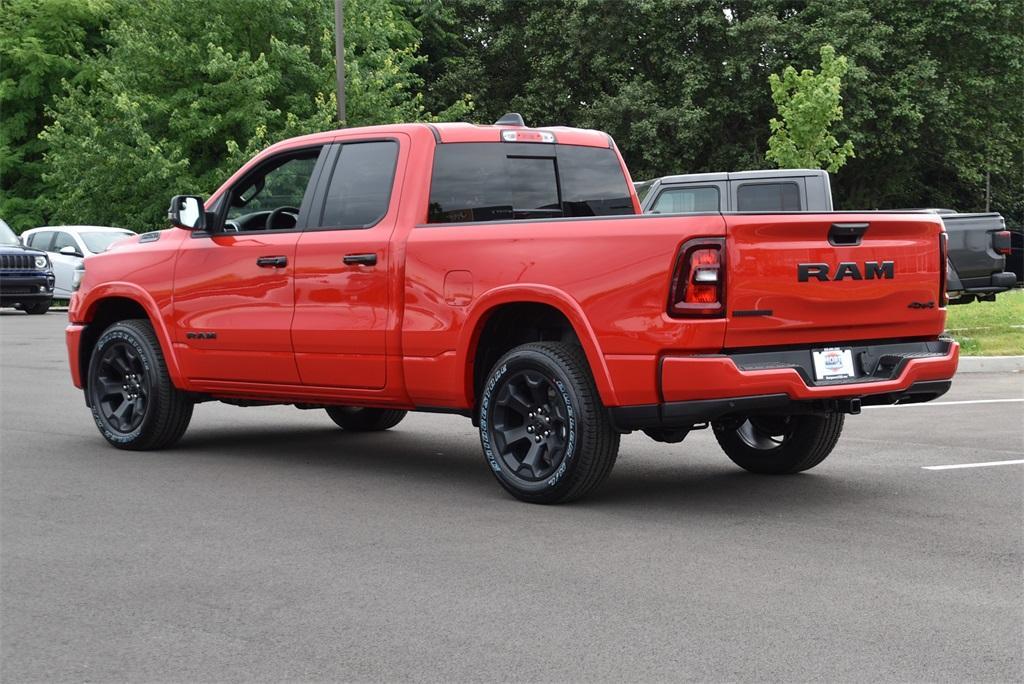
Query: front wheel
column 356, row 419
column 36, row 308
column 779, row 445
column 134, row 403
column 545, row 434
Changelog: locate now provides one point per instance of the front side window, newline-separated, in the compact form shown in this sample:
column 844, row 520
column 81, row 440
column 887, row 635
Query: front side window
column 686, row 201
column 269, row 198
column 64, row 240
column 360, row 187
column 768, row 197
column 523, row 181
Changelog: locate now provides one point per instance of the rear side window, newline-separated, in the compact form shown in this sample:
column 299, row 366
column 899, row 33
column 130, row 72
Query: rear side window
column 768, row 197
column 686, row 200
column 360, row 188
column 523, row 181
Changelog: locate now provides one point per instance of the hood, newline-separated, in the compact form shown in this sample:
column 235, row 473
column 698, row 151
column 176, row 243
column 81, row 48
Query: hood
column 20, row 249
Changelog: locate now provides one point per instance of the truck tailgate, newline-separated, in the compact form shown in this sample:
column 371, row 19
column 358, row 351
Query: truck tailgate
column 806, row 279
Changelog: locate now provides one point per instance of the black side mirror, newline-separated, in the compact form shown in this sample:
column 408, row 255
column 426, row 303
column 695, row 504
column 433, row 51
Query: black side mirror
column 188, row 212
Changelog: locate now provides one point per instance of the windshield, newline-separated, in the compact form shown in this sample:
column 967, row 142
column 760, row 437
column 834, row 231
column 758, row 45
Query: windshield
column 97, row 242
column 7, row 236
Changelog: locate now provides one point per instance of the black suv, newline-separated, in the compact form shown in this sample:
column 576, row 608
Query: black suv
column 26, row 276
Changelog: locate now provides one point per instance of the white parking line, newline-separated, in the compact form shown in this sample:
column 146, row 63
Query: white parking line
column 973, row 465
column 947, row 403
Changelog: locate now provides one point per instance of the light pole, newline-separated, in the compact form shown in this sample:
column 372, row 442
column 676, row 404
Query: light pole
column 339, row 55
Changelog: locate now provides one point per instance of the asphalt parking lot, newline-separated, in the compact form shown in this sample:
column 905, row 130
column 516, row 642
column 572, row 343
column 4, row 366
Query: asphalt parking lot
column 270, row 545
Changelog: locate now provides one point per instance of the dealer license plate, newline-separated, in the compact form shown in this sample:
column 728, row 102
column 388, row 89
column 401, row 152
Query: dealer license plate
column 833, row 364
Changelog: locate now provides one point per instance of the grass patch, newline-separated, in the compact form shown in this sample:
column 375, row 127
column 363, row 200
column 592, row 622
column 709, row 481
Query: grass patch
column 989, row 328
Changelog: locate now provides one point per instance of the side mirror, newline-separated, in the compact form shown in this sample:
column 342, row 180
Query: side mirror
column 68, row 250
column 188, row 212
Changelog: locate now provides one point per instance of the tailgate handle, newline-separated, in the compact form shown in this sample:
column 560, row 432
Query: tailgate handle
column 846, row 234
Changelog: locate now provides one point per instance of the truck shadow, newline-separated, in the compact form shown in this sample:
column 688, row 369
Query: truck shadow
column 641, row 482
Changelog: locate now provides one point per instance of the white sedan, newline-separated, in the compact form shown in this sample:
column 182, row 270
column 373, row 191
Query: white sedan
column 68, row 246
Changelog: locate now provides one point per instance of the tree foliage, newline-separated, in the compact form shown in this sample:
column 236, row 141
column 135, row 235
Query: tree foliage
column 188, row 90
column 147, row 99
column 808, row 103
column 931, row 99
column 42, row 43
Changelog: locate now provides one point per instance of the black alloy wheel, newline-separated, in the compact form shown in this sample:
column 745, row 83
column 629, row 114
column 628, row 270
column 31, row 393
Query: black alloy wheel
column 765, row 432
column 531, row 425
column 122, row 387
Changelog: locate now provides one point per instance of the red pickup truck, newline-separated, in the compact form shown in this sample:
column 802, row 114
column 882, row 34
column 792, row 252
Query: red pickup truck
column 506, row 273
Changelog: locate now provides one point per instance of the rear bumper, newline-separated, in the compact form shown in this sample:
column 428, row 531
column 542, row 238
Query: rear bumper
column 985, row 289
column 73, row 340
column 697, row 389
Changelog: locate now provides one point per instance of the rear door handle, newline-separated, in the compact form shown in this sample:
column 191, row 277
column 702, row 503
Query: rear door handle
column 272, row 261
column 364, row 259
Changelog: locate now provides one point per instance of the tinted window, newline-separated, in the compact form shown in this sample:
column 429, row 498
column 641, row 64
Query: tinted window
column 768, row 197
column 686, row 200
column 513, row 181
column 360, row 187
column 40, row 240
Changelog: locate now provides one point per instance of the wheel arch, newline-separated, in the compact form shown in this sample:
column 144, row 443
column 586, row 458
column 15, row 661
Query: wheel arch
column 115, row 302
column 544, row 304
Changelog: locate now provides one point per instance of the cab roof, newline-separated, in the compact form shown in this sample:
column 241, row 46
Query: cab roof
column 458, row 133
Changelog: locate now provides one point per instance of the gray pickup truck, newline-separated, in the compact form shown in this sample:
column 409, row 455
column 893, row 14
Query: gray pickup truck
column 978, row 243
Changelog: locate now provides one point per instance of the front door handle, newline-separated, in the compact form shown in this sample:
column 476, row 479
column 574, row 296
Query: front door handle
column 364, row 259
column 272, row 261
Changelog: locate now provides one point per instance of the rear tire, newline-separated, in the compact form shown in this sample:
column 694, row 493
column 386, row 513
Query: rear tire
column 779, row 445
column 544, row 431
column 36, row 308
column 134, row 403
column 356, row 419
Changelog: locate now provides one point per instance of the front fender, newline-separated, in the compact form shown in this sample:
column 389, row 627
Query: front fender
column 84, row 306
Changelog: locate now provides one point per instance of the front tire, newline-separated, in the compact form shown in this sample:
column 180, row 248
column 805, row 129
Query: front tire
column 356, row 419
column 545, row 434
column 37, row 308
column 134, row 403
column 779, row 445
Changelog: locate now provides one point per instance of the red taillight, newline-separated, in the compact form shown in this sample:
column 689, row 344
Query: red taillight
column 1001, row 242
column 698, row 285
column 943, row 268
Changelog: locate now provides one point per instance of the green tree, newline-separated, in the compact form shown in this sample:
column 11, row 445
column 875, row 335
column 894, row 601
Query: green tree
column 190, row 89
column 42, row 42
column 808, row 104
column 931, row 100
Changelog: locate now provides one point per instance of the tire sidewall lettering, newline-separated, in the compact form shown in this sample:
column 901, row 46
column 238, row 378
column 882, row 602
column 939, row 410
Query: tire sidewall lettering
column 485, row 429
